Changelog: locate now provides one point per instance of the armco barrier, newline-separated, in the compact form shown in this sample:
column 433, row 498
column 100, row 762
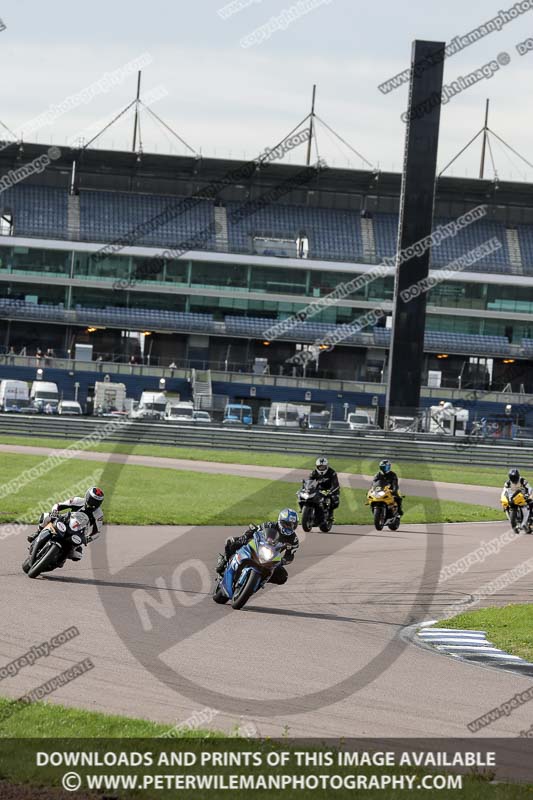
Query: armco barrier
column 401, row 447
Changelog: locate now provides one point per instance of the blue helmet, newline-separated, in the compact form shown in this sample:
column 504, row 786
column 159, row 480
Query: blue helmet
column 288, row 521
column 385, row 466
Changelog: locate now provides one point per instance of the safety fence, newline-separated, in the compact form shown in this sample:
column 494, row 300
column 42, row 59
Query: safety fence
column 400, row 446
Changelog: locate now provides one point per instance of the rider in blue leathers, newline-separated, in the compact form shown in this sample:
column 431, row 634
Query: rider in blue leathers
column 286, row 525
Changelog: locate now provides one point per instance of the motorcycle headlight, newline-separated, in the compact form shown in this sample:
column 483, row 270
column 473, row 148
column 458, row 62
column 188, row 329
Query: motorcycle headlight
column 380, row 494
column 266, row 553
column 305, row 495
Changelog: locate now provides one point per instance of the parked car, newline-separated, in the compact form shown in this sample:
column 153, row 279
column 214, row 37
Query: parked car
column 201, row 416
column 360, row 421
column 237, row 414
column 70, row 408
column 340, row 426
column 318, row 420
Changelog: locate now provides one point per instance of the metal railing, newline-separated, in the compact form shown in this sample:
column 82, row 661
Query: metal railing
column 400, row 446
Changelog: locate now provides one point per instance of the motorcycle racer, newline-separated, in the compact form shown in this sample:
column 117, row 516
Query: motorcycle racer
column 328, row 481
column 283, row 531
column 516, row 481
column 387, row 477
column 90, row 505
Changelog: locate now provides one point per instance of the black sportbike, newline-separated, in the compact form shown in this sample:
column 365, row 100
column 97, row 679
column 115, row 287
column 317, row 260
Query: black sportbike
column 50, row 548
column 315, row 505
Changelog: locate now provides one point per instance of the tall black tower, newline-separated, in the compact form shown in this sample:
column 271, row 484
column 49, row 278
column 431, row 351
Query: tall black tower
column 415, row 224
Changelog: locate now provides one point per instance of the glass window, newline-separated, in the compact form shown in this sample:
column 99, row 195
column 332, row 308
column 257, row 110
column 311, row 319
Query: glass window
column 48, row 262
column 222, row 275
column 177, row 271
column 89, row 265
column 322, row 282
column 276, row 279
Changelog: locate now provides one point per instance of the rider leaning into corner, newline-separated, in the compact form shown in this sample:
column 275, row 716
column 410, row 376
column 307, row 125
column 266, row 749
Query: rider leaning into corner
column 90, row 505
column 328, row 480
column 387, row 477
column 282, row 531
column 516, row 481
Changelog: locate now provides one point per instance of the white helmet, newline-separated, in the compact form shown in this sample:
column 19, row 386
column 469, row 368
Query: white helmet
column 322, row 464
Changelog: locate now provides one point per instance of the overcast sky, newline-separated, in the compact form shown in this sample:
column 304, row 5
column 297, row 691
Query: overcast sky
column 229, row 100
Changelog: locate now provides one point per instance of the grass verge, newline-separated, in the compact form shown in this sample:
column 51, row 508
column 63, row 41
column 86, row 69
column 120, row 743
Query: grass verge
column 448, row 473
column 509, row 627
column 158, row 496
column 47, row 720
column 45, row 729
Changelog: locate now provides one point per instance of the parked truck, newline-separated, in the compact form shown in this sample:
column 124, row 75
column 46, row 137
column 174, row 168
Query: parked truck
column 44, row 396
column 109, row 398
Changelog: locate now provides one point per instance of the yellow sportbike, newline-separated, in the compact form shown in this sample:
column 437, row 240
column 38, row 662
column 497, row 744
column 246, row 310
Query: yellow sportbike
column 384, row 507
column 515, row 505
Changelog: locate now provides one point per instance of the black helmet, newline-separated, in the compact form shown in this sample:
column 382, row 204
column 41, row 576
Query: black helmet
column 514, row 475
column 271, row 532
column 94, row 497
column 385, row 466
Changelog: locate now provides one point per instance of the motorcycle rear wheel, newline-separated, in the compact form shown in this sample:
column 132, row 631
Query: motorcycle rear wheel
column 394, row 524
column 44, row 562
column 246, row 590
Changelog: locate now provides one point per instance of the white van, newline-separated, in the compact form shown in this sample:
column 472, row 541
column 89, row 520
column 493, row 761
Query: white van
column 360, row 421
column 44, row 396
column 152, row 405
column 14, row 396
column 70, row 408
column 177, row 411
column 286, row 415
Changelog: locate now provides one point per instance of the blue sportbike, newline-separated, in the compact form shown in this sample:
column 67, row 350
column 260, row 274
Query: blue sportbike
column 248, row 570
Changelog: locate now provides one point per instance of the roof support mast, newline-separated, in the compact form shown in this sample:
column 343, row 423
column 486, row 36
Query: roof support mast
column 311, row 121
column 136, row 118
column 484, row 145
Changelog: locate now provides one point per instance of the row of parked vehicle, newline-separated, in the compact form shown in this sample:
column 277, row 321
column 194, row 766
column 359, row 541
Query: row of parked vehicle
column 42, row 398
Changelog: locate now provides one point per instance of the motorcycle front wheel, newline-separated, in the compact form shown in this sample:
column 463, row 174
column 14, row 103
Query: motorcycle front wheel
column 308, row 518
column 246, row 590
column 516, row 519
column 379, row 517
column 327, row 525
column 44, row 562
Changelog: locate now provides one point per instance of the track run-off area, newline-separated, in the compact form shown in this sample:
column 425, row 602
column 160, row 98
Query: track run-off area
column 323, row 655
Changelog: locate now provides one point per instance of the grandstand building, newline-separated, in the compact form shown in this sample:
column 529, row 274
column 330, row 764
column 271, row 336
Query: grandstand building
column 245, row 247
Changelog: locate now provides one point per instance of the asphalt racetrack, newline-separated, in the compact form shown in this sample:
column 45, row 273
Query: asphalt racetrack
column 322, row 655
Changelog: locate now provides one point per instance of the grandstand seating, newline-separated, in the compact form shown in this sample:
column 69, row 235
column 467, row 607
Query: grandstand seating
column 254, row 327
column 334, row 234
column 527, row 347
column 525, row 237
column 106, row 216
column 36, row 210
column 386, row 235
